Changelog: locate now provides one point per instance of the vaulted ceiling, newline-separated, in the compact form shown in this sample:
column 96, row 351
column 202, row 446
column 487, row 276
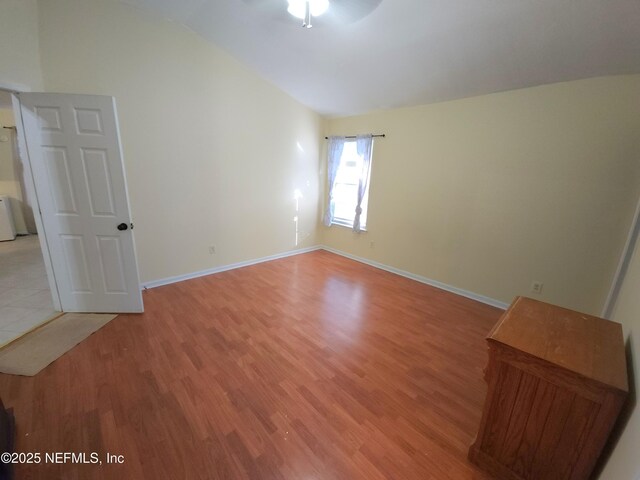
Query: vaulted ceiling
column 371, row 54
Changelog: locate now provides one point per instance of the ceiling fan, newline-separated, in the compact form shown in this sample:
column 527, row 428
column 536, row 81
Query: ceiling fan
column 316, row 12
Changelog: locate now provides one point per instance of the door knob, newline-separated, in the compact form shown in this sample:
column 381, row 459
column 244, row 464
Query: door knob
column 123, row 226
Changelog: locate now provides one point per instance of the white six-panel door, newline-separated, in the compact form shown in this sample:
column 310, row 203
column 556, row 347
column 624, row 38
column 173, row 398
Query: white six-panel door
column 74, row 150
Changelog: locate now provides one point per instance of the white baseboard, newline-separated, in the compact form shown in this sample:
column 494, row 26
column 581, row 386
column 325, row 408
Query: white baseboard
column 381, row 266
column 224, row 268
column 419, row 278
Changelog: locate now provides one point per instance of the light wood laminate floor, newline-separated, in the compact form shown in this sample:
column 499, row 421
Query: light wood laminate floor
column 309, row 367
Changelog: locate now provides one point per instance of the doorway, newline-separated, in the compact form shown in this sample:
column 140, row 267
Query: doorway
column 25, row 296
column 70, row 147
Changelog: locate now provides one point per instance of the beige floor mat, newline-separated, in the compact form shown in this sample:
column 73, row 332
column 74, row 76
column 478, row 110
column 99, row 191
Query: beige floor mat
column 34, row 351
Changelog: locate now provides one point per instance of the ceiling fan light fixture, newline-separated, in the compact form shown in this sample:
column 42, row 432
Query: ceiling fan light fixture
column 305, row 9
column 318, row 7
column 297, row 8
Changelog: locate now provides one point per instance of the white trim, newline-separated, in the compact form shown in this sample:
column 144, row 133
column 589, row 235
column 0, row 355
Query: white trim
column 397, row 271
column 345, row 224
column 623, row 264
column 421, row 279
column 224, row 268
column 14, row 87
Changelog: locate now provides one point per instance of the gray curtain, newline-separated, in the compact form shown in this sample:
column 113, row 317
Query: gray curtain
column 334, row 149
column 364, row 145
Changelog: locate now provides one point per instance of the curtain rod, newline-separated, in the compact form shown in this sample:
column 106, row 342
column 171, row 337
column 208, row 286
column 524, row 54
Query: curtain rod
column 353, row 136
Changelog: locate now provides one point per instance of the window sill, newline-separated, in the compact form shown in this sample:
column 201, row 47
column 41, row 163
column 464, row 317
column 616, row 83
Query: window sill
column 346, row 224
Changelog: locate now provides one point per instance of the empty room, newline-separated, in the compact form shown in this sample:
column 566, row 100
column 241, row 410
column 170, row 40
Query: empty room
column 319, row 239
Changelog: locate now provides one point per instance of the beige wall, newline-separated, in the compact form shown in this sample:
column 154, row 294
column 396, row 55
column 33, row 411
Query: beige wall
column 19, row 69
column 624, row 462
column 19, row 53
column 490, row 193
column 213, row 153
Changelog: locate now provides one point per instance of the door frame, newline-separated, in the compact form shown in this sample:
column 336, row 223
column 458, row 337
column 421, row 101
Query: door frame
column 623, row 265
column 15, row 90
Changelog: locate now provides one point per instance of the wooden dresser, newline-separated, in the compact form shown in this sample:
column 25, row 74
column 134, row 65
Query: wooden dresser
column 557, row 381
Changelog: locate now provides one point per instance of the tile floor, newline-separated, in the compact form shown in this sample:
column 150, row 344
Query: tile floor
column 25, row 299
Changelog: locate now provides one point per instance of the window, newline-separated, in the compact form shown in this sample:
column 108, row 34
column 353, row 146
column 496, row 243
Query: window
column 349, row 167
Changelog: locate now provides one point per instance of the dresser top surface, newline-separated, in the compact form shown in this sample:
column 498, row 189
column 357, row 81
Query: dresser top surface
column 584, row 344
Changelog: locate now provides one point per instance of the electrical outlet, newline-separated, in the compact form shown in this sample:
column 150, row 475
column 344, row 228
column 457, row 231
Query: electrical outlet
column 212, row 250
column 536, row 287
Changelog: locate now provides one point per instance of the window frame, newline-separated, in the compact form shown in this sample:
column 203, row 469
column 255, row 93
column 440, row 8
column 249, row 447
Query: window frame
column 345, row 222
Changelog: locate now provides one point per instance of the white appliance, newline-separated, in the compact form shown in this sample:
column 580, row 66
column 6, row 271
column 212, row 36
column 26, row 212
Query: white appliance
column 7, row 228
